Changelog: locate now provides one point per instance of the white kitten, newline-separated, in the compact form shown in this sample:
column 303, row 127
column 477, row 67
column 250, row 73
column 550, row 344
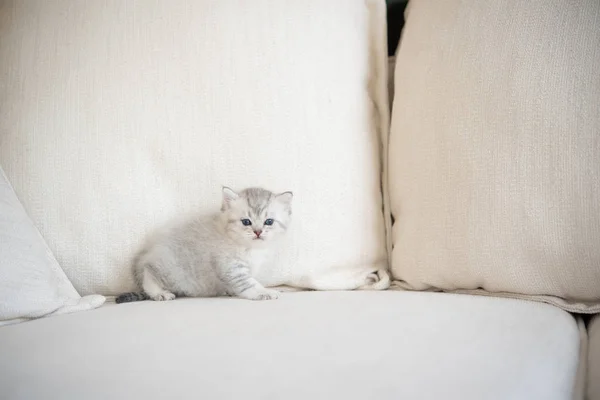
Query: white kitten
column 214, row 255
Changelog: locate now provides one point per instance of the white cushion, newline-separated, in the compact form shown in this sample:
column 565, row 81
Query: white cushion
column 321, row 345
column 32, row 284
column 494, row 149
column 117, row 116
column 593, row 365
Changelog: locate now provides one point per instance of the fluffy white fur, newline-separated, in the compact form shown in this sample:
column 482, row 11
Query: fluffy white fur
column 216, row 254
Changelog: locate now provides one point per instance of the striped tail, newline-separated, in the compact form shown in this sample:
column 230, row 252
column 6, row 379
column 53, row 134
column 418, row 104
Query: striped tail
column 131, row 296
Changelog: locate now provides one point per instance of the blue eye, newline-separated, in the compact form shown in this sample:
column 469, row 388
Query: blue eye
column 269, row 222
column 246, row 222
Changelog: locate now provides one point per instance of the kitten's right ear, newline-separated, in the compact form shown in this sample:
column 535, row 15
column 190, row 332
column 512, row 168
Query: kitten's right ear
column 228, row 196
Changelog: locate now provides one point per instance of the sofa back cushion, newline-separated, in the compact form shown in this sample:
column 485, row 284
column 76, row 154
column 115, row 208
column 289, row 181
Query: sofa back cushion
column 116, row 116
column 32, row 284
column 495, row 149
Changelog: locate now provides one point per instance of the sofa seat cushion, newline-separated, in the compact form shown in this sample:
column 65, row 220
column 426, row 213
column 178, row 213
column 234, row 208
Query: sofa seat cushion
column 324, row 345
column 593, row 371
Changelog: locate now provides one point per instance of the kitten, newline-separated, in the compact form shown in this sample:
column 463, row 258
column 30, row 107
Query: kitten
column 214, row 255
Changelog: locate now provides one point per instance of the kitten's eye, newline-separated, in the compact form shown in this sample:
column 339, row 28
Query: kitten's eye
column 269, row 222
column 246, row 222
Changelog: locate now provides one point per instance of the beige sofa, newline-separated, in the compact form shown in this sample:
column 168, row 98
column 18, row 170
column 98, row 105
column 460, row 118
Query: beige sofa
column 116, row 116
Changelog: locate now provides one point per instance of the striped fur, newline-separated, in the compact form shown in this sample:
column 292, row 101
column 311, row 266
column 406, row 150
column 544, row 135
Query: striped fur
column 131, row 297
column 214, row 255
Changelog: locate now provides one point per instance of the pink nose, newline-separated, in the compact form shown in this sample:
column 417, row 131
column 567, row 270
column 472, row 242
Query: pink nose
column 257, row 233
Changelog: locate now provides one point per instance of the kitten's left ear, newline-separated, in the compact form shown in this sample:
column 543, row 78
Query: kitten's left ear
column 228, row 196
column 285, row 198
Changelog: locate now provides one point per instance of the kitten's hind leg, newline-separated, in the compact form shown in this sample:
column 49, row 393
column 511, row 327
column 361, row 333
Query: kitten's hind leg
column 154, row 289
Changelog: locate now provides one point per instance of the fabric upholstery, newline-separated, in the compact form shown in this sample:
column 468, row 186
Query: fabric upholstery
column 494, row 149
column 322, row 345
column 32, row 284
column 116, row 116
column 593, row 367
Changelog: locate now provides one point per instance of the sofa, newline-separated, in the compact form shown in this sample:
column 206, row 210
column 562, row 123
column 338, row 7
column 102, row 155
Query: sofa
column 446, row 222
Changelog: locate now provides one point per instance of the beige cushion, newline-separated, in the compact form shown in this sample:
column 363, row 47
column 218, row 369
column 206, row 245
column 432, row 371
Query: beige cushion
column 117, row 116
column 332, row 345
column 495, row 149
column 32, row 284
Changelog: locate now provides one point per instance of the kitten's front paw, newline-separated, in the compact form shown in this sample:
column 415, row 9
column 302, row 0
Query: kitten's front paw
column 260, row 294
column 163, row 296
column 268, row 294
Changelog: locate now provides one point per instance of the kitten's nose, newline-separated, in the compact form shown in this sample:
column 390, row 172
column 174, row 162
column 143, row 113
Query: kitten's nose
column 257, row 233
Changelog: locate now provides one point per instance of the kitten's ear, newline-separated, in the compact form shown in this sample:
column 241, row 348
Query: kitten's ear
column 285, row 198
column 228, row 196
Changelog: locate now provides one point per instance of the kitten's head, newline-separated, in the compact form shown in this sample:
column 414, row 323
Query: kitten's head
column 256, row 216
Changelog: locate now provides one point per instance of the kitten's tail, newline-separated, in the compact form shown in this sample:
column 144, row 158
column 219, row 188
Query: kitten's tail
column 130, row 297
